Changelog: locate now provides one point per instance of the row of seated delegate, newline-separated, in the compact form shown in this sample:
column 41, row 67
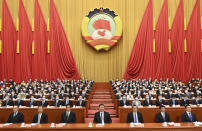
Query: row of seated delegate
column 139, row 88
column 159, row 101
column 60, row 92
column 44, row 103
column 147, row 92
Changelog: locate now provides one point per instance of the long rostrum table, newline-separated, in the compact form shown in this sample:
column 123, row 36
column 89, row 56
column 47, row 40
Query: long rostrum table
column 107, row 127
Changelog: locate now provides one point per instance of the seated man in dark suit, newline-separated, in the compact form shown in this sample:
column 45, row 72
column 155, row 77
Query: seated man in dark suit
column 67, row 101
column 19, row 102
column 188, row 116
column 84, row 94
column 162, row 116
column 147, row 101
column 43, row 102
column 16, row 116
column 3, row 94
column 81, row 102
column 184, row 101
column 51, row 96
column 8, row 102
column 57, row 102
column 135, row 116
column 32, row 102
column 68, row 116
column 102, row 116
column 13, row 95
column 160, row 101
column 124, row 102
column 62, row 95
column 172, row 101
column 40, row 117
column 196, row 101
column 119, row 95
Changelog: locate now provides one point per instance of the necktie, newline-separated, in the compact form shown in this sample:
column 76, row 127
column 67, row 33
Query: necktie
column 173, row 102
column 39, row 118
column 163, row 114
column 190, row 116
column 135, row 118
column 101, row 115
column 67, row 115
column 14, row 114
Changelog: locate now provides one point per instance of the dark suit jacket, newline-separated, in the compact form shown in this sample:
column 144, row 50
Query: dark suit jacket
column 44, row 118
column 168, row 96
column 20, row 103
column 64, row 103
column 71, row 118
column 185, row 117
column 34, row 103
column 145, row 102
column 158, row 103
column 44, row 105
column 130, row 117
column 121, row 103
column 82, row 103
column 159, row 117
column 107, row 118
column 170, row 102
column 13, row 96
column 19, row 118
column 51, row 97
column 194, row 102
column 10, row 103
column 183, row 103
column 58, row 103
column 61, row 96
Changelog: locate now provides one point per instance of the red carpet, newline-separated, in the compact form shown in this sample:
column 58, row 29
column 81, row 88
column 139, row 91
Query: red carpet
column 101, row 96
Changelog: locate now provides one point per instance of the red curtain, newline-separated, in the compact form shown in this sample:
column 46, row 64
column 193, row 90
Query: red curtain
column 141, row 62
column 162, row 64
column 192, row 60
column 177, row 43
column 162, row 56
column 23, row 59
column 7, row 58
column 39, row 58
column 62, row 64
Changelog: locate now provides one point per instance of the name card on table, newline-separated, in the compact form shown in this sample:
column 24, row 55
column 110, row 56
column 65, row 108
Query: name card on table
column 7, row 124
column 177, row 124
column 100, row 125
column 60, row 124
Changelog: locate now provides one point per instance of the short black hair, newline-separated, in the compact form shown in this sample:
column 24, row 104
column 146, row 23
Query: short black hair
column 16, row 106
column 68, row 105
column 161, row 106
column 40, row 106
column 101, row 105
column 187, row 105
column 134, row 106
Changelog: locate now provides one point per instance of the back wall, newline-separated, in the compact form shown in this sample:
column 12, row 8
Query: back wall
column 100, row 66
